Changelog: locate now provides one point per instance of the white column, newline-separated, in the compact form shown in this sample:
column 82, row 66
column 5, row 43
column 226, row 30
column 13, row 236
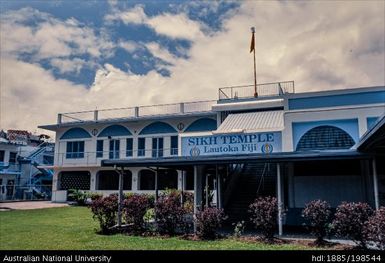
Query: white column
column 197, row 191
column 120, row 201
column 219, row 189
column 375, row 185
column 279, row 197
column 135, row 180
column 180, row 180
column 93, row 180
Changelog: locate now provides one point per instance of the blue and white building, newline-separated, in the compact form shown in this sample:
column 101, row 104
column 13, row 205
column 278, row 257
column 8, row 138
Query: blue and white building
column 296, row 146
column 23, row 175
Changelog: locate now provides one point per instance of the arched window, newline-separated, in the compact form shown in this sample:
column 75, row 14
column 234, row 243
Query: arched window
column 325, row 138
column 75, row 133
column 167, row 179
column 109, row 180
column 203, row 124
column 115, row 130
column 80, row 180
column 157, row 127
column 146, row 180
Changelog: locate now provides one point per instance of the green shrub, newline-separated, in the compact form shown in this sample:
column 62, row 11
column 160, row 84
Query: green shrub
column 79, row 196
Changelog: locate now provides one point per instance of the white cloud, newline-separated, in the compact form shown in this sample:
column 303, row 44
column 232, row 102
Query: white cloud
column 129, row 46
column 49, row 37
column 70, row 65
column 134, row 15
column 319, row 45
column 161, row 53
column 175, row 26
column 170, row 25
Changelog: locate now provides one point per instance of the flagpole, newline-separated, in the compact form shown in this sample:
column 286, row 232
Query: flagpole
column 255, row 64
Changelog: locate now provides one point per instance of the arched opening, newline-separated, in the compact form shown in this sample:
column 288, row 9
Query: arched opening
column 146, row 180
column 75, row 133
column 203, row 124
column 109, row 180
column 80, row 180
column 325, row 138
column 157, row 128
column 115, row 130
column 189, row 180
column 167, row 179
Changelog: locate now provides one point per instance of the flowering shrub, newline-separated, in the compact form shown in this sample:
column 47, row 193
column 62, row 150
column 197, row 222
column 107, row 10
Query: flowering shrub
column 350, row 219
column 134, row 209
column 105, row 210
column 374, row 228
column 208, row 221
column 317, row 213
column 94, row 196
column 264, row 212
column 169, row 214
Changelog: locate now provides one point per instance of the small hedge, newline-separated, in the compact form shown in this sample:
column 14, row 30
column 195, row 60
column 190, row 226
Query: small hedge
column 134, row 208
column 374, row 228
column 264, row 213
column 170, row 216
column 105, row 210
column 350, row 219
column 317, row 214
column 208, row 221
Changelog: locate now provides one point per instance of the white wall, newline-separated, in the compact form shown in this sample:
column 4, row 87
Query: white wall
column 337, row 113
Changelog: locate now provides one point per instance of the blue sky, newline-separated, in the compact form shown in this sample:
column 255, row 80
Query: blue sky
column 92, row 14
column 61, row 56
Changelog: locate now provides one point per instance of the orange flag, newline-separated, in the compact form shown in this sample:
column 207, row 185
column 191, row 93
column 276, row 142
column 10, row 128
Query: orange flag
column 252, row 46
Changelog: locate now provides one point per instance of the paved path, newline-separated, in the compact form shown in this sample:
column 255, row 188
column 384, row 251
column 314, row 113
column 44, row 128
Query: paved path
column 29, row 205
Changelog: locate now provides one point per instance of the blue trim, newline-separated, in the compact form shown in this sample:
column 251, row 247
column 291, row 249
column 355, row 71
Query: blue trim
column 75, row 133
column 115, row 130
column 203, row 124
column 157, row 127
column 337, row 100
column 371, row 121
column 350, row 126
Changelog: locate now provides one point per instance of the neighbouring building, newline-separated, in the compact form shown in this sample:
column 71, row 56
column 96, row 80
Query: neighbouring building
column 296, row 146
column 21, row 174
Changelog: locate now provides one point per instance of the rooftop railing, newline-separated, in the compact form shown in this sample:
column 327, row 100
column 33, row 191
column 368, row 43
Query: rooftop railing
column 226, row 93
column 136, row 112
column 263, row 90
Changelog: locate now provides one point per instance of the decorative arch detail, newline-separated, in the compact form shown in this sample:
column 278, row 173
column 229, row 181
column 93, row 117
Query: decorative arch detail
column 75, row 133
column 203, row 124
column 115, row 130
column 325, row 137
column 157, row 127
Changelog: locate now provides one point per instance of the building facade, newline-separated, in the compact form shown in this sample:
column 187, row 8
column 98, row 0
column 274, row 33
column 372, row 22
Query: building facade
column 296, row 146
column 22, row 176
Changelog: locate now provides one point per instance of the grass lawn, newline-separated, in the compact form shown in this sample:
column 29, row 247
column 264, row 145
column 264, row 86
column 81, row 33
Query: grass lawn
column 73, row 228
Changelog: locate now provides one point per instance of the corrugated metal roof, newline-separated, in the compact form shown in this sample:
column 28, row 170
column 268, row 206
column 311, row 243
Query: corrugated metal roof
column 252, row 122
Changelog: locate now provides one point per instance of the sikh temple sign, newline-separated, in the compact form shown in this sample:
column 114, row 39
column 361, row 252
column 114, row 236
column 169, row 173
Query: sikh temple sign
column 249, row 143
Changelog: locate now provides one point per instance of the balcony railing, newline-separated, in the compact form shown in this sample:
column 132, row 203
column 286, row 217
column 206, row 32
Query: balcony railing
column 136, row 112
column 94, row 158
column 263, row 90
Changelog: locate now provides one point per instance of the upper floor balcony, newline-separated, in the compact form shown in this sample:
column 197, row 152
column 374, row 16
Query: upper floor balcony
column 183, row 108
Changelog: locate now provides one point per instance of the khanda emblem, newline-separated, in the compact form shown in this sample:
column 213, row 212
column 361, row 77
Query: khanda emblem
column 195, row 152
column 267, row 148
